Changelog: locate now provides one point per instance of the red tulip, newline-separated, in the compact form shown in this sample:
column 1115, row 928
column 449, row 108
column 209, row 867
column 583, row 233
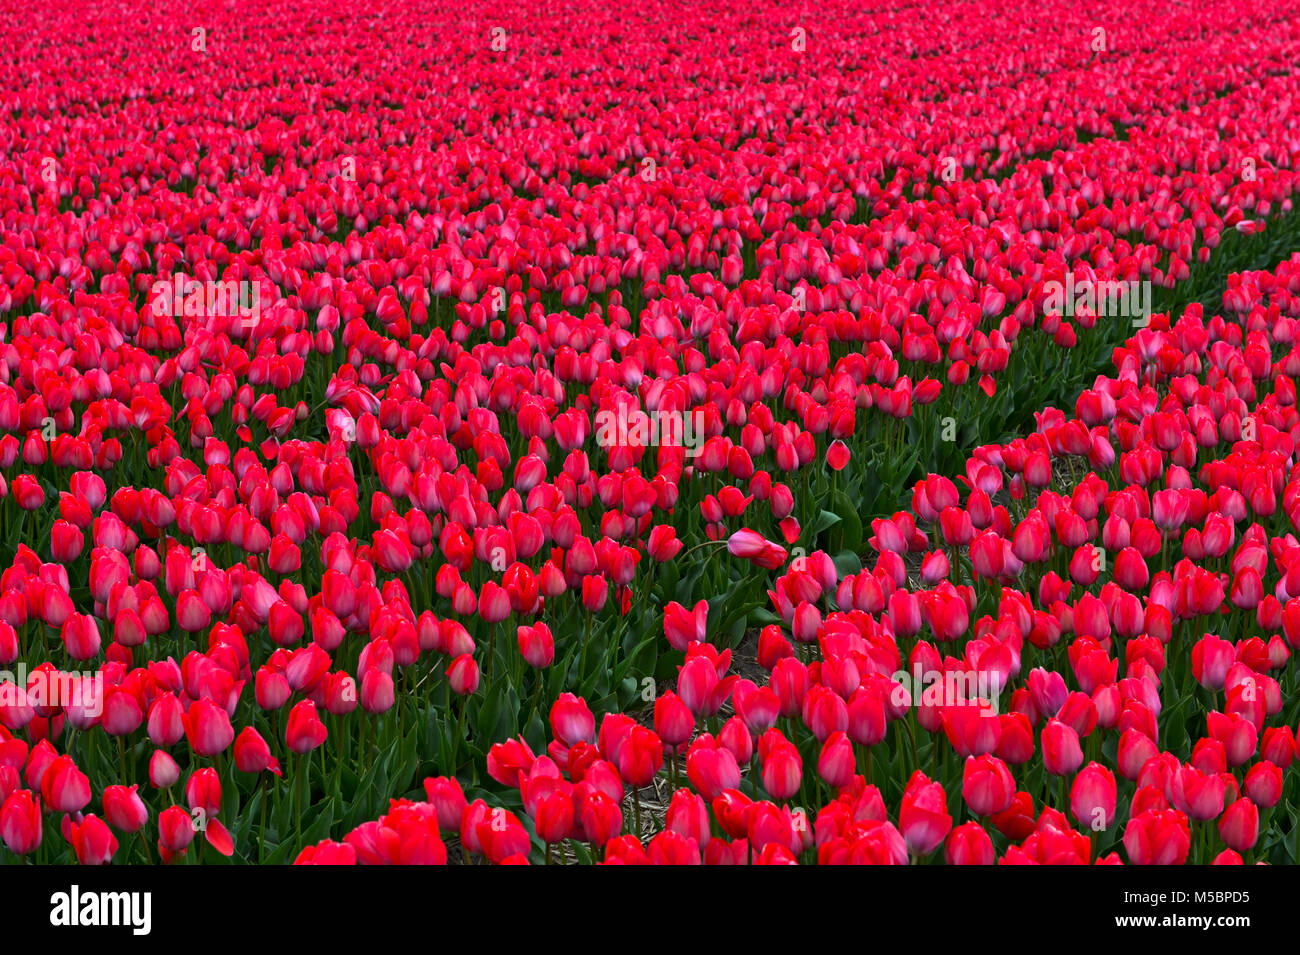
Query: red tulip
column 1092, row 797
column 93, row 841
column 1239, row 826
column 1157, row 838
column 304, row 731
column 923, row 818
column 1061, row 752
column 20, row 822
column 969, row 844
column 987, row 785
column 253, row 755
column 64, row 787
column 124, row 808
column 207, row 727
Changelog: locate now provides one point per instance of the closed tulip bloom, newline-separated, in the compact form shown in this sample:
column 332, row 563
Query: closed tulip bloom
column 93, row 841
column 923, row 817
column 285, row 625
column 207, row 727
column 595, row 593
column 1239, row 826
column 192, row 613
column 1236, row 733
column 837, row 455
column 711, row 771
column 972, row 730
column 1061, row 752
column 304, row 731
column 175, row 829
column 1135, row 749
column 81, row 637
column 1263, row 785
column 20, row 822
column 1079, row 713
column 340, row 692
column 836, row 763
column 1211, row 659
column 28, row 492
column 64, row 787
column 536, row 645
column 1197, row 794
column 969, row 844
column 124, row 808
column 463, row 675
column 66, row 542
column 378, row 693
column 867, row 718
column 696, row 682
column 600, row 818
column 1157, row 838
column 121, row 712
column 824, row 712
column 308, row 665
column 253, row 754
column 673, row 720
column 572, row 720
column 1093, row 796
column 688, row 815
column 640, row 757
column 448, row 800
column 1016, row 741
column 163, row 771
column 129, row 629
column 553, row 819
column 203, row 791
column 782, row 770
column 493, row 602
column 271, row 689
column 987, row 785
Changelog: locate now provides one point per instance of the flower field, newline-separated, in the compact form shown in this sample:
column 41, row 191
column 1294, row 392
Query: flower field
column 689, row 433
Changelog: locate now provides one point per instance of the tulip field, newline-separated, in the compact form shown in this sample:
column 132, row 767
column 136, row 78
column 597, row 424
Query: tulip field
column 671, row 433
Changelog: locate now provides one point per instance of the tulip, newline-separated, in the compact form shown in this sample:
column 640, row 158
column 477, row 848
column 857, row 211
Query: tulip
column 836, row 763
column 20, row 822
column 923, row 818
column 64, row 787
column 124, row 808
column 1061, row 752
column 536, row 645
column 176, row 829
column 463, row 675
column 93, row 841
column 304, row 731
column 163, row 771
column 1157, row 838
column 969, row 844
column 1197, row 794
column 1239, row 825
column 987, row 785
column 1093, row 797
column 252, row 754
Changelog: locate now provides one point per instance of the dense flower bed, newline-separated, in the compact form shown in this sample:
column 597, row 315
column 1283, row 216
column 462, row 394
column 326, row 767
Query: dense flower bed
column 493, row 410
